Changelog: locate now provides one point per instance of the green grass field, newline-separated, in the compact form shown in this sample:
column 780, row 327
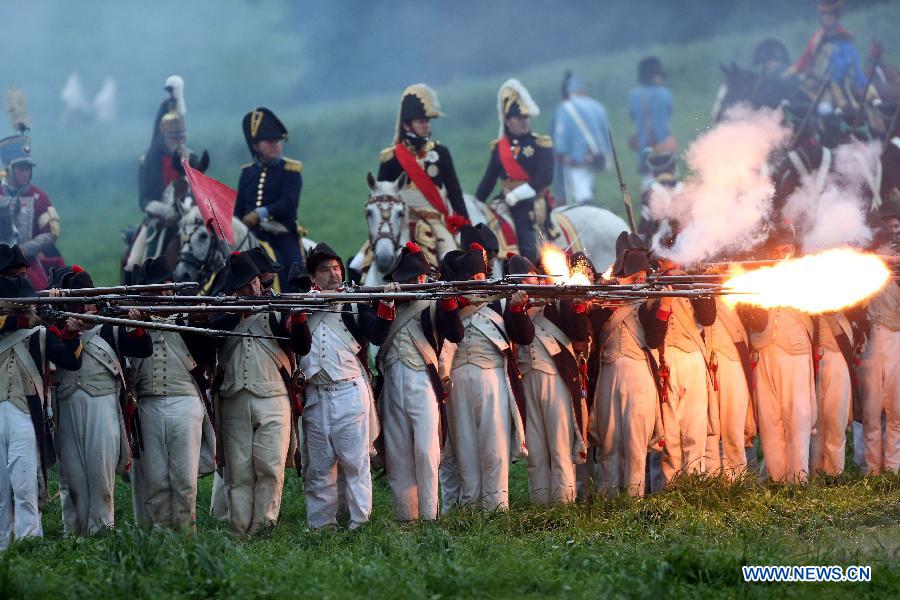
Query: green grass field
column 687, row 542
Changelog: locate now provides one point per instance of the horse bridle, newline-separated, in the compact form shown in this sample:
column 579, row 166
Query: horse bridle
column 381, row 234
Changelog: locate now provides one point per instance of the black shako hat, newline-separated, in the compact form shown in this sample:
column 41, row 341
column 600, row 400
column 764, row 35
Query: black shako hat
column 11, row 257
column 409, row 264
column 262, row 124
column 463, row 264
column 241, row 270
column 263, row 262
column 153, row 271
column 631, row 255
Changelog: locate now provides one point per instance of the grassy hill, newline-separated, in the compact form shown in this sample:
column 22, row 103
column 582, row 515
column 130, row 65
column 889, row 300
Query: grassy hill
column 91, row 172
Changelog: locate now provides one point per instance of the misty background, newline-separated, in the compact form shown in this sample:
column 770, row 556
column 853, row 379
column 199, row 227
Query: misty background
column 333, row 71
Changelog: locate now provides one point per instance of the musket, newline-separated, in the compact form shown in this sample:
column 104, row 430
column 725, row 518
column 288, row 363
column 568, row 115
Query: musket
column 158, row 325
column 626, row 198
column 809, row 114
column 125, row 289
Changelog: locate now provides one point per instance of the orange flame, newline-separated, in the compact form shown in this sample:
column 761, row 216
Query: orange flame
column 828, row 281
column 556, row 263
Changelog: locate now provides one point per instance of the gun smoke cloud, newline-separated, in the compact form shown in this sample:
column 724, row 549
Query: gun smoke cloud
column 834, row 213
column 728, row 193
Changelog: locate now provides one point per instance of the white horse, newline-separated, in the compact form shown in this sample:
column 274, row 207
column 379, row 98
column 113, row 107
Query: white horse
column 584, row 227
column 388, row 222
column 198, row 257
column 589, row 228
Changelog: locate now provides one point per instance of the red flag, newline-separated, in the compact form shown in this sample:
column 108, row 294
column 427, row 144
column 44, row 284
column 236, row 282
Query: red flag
column 215, row 201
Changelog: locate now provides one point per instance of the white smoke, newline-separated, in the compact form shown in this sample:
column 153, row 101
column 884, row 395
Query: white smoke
column 836, row 214
column 728, row 194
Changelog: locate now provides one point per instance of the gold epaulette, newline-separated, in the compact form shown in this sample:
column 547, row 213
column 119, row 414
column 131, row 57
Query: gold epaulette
column 293, row 165
column 493, row 144
column 387, row 154
column 247, row 166
column 544, row 141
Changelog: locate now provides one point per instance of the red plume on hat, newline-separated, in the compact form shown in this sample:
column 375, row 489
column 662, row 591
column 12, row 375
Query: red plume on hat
column 77, row 269
column 413, row 248
column 476, row 246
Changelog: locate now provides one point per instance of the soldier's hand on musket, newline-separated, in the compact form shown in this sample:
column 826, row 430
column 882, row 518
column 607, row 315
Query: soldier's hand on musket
column 55, row 293
column 76, row 325
column 135, row 314
column 518, row 299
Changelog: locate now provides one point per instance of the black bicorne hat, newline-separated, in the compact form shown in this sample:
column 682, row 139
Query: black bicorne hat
column 11, row 257
column 56, row 276
column 889, row 209
column 463, row 264
column 479, row 234
column 302, row 277
column 580, row 258
column 409, row 264
column 263, row 261
column 517, row 264
column 16, row 287
column 241, row 270
column 153, row 271
column 76, row 278
column 262, row 124
column 631, row 255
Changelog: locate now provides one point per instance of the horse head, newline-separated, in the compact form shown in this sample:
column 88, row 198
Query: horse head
column 740, row 85
column 387, row 219
column 198, row 257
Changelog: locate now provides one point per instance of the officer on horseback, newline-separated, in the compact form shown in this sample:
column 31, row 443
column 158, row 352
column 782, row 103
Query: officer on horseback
column 268, row 192
column 523, row 161
column 429, row 168
column 27, row 212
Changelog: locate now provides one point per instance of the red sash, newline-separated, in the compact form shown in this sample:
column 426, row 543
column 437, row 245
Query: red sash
column 420, row 178
column 513, row 169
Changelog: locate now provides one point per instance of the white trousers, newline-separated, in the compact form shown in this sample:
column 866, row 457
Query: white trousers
column 550, row 437
column 579, row 181
column 410, row 423
column 725, row 452
column 879, row 375
column 685, row 416
column 622, row 420
column 256, row 434
column 336, row 433
column 88, row 442
column 167, row 474
column 19, row 464
column 833, row 395
column 786, row 409
column 478, row 411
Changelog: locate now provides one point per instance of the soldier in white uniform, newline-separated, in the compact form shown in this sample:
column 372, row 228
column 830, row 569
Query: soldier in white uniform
column 486, row 400
column 625, row 421
column 25, row 350
column 555, row 393
column 254, row 388
column 685, row 354
column 339, row 425
column 169, row 386
column 836, row 370
column 879, row 379
column 783, row 381
column 91, row 440
column 732, row 424
column 412, row 398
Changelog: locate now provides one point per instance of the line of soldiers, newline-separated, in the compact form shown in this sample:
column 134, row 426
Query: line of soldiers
column 650, row 390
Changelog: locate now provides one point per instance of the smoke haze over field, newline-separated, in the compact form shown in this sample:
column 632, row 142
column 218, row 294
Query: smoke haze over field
column 233, row 53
